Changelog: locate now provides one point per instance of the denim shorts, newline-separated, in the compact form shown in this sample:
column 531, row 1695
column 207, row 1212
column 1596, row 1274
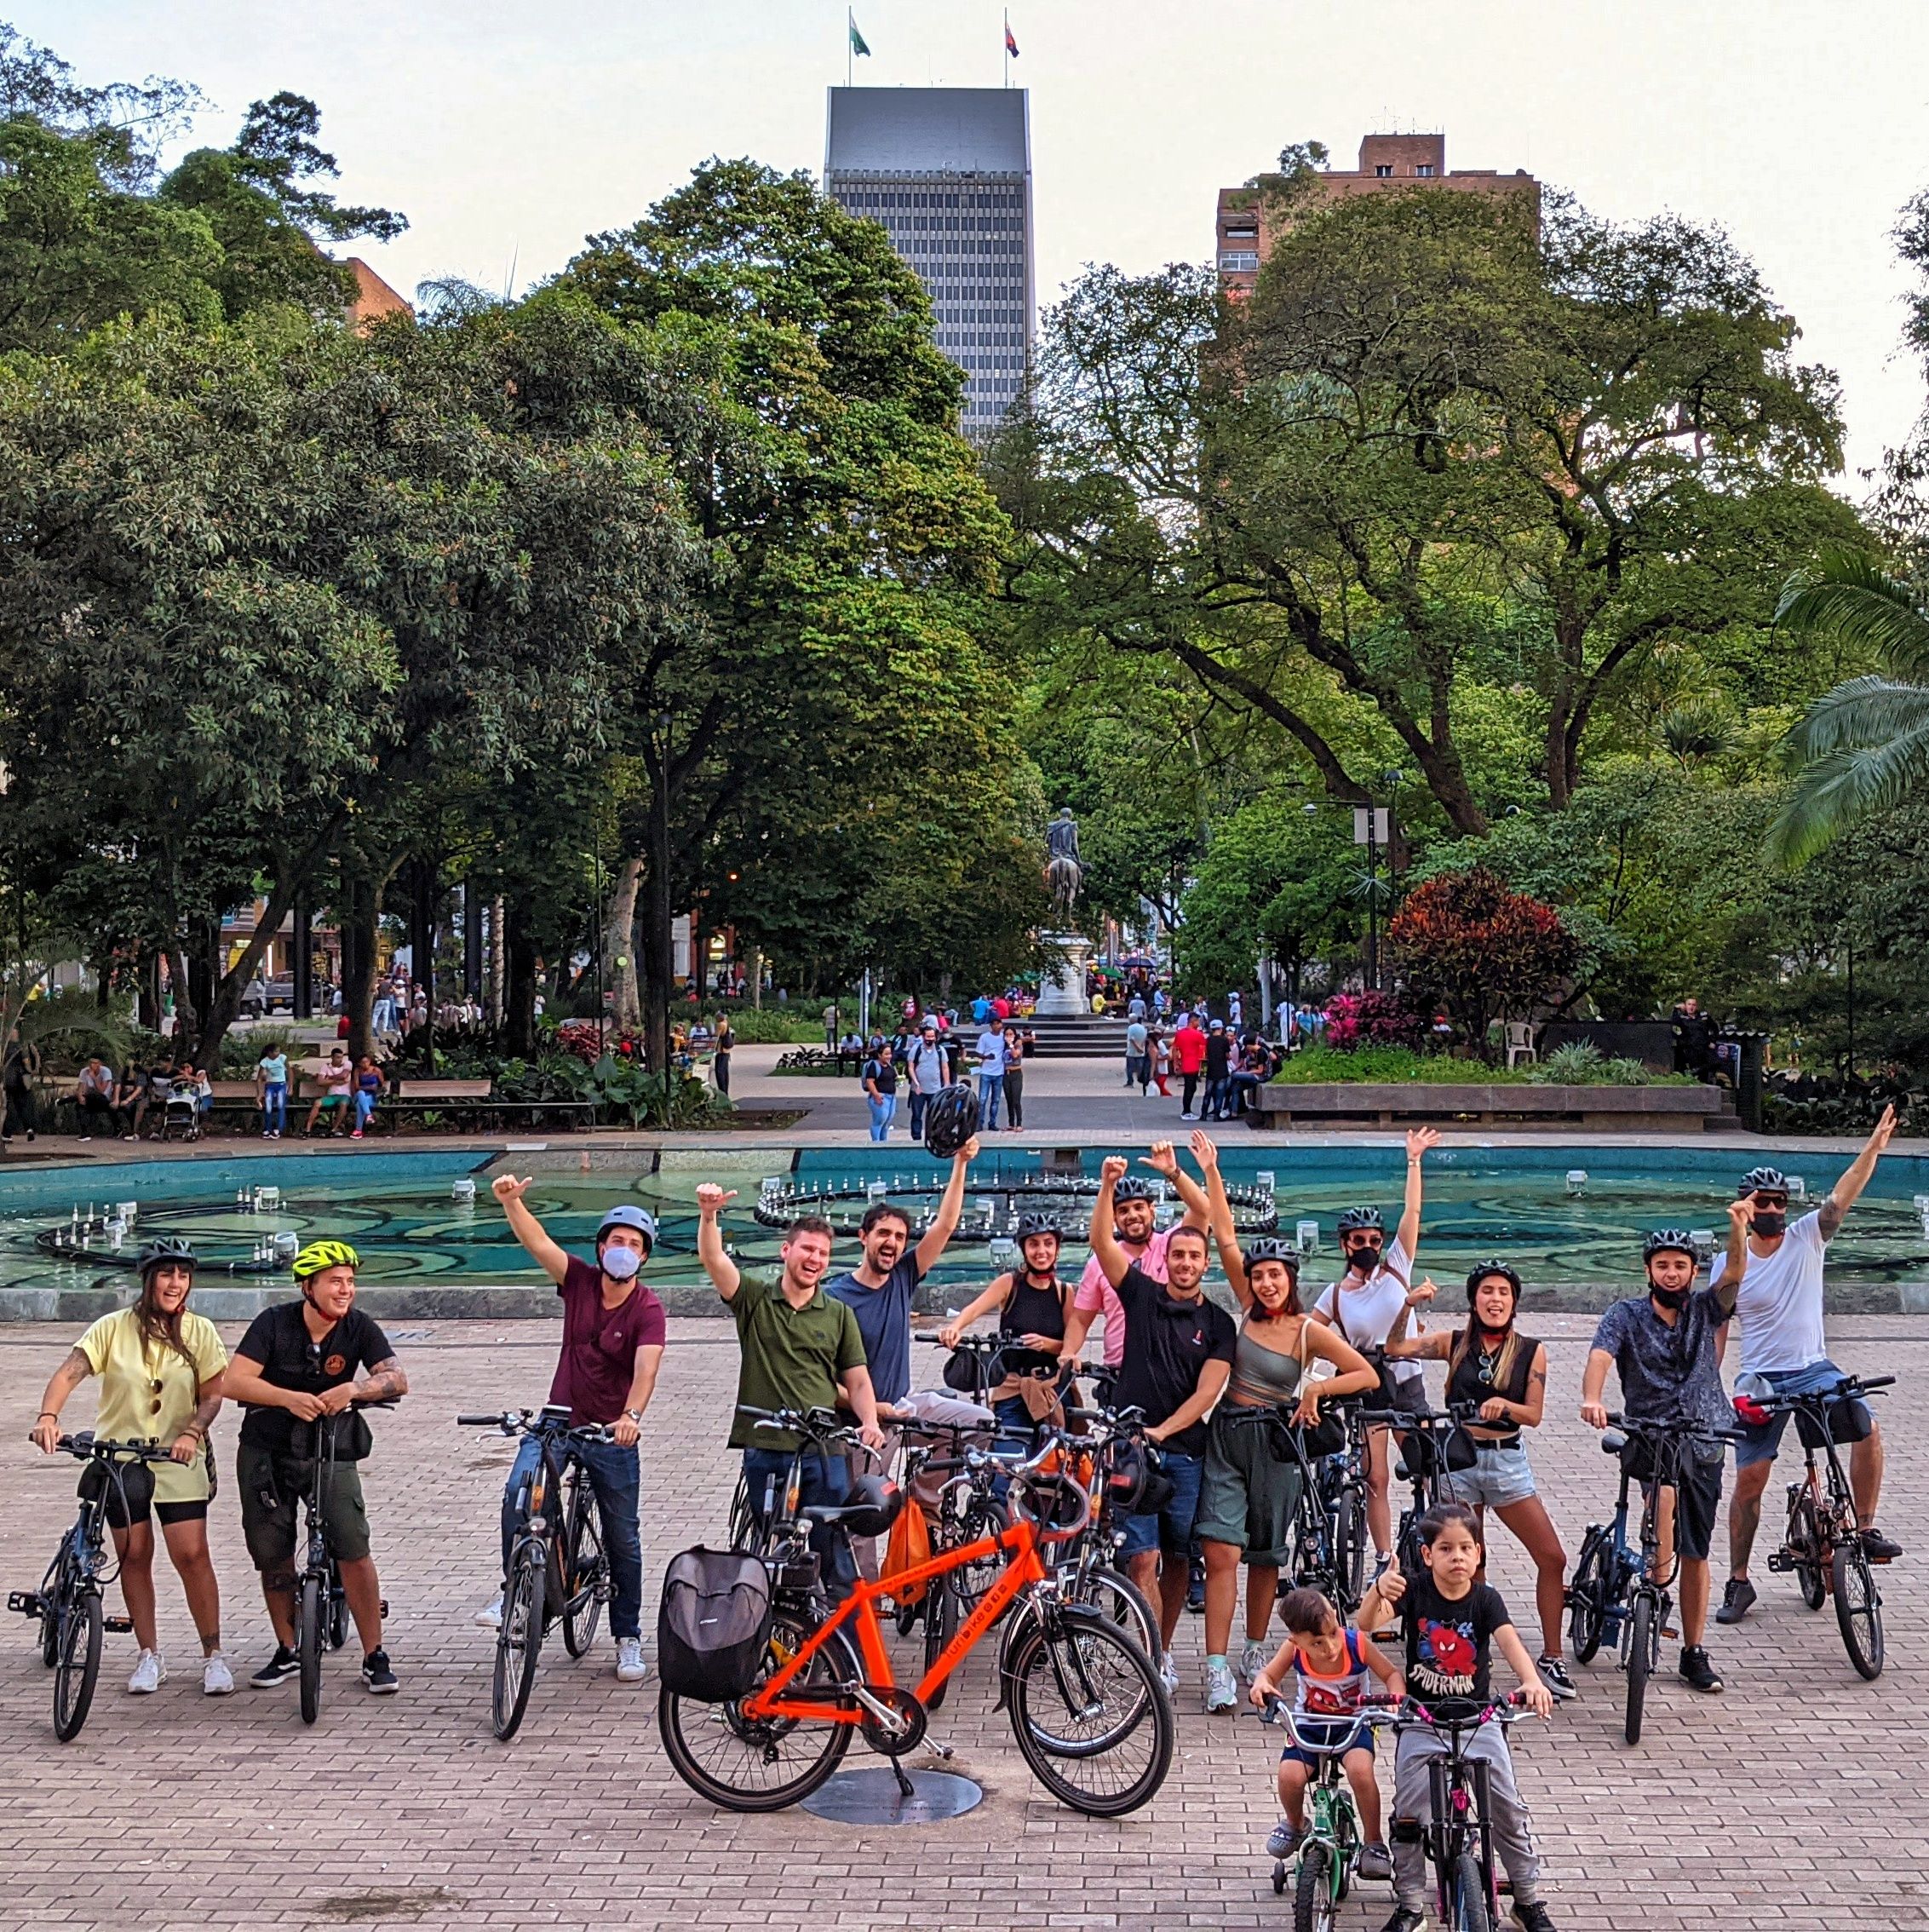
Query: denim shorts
column 1848, row 1422
column 1169, row 1529
column 1500, row 1477
column 1344, row 1737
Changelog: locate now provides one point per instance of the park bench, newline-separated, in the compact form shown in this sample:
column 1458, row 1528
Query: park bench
column 474, row 1102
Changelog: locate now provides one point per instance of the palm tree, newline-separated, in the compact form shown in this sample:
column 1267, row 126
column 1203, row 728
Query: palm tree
column 1863, row 746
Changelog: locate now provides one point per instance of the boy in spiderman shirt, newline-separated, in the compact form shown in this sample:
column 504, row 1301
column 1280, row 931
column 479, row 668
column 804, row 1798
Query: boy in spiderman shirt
column 1452, row 1623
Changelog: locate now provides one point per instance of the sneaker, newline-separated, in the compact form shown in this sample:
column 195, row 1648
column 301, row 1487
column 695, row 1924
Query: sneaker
column 1696, row 1672
column 1406, row 1918
column 149, row 1673
column 216, row 1679
column 1736, row 1601
column 1878, row 1548
column 490, row 1616
column 1532, row 1915
column 1375, row 1861
column 1284, row 1839
column 1554, row 1675
column 1222, row 1688
column 377, row 1675
column 1196, row 1588
column 630, row 1667
column 279, row 1668
column 1188, row 1117
column 1254, row 1658
column 1168, row 1674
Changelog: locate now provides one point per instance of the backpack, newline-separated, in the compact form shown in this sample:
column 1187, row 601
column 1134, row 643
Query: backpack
column 713, row 1626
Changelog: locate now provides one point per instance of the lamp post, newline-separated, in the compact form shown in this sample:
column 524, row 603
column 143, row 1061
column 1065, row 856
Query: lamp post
column 1372, row 827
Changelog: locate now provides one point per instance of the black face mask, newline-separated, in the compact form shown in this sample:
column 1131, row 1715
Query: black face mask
column 1768, row 1226
column 1669, row 1298
column 1364, row 1256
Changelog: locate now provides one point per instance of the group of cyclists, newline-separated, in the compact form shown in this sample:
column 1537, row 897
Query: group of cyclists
column 1212, row 1389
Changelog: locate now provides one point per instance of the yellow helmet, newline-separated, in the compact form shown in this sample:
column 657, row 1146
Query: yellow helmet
column 319, row 1255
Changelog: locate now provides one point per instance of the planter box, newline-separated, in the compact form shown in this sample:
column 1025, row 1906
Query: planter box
column 1635, row 1110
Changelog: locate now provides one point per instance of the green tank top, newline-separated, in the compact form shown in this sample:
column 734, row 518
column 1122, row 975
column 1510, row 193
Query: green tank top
column 1261, row 1375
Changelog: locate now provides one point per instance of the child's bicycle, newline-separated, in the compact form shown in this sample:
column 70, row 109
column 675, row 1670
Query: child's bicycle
column 1322, row 1872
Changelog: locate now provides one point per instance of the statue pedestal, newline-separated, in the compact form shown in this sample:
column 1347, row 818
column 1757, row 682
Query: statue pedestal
column 1062, row 994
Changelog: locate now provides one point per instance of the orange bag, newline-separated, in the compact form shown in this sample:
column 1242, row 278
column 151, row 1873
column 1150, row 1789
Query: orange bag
column 909, row 1545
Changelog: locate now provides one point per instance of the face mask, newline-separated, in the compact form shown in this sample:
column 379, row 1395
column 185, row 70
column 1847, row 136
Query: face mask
column 620, row 1264
column 1364, row 1256
column 1768, row 1226
column 1669, row 1298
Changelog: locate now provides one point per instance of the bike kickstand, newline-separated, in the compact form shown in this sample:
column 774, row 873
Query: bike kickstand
column 905, row 1787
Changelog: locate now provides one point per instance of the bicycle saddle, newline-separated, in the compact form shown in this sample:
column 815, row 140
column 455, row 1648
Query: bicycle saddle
column 1612, row 1442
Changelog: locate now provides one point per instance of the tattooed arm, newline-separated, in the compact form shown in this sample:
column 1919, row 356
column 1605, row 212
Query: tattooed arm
column 67, row 1377
column 1843, row 1195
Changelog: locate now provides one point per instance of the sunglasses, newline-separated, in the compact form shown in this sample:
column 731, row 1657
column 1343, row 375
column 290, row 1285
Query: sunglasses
column 154, row 1407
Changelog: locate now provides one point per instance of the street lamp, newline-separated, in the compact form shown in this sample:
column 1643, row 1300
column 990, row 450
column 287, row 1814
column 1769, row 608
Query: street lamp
column 1372, row 827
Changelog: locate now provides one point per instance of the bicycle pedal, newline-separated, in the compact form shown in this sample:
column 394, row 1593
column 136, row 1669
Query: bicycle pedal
column 121, row 1626
column 27, row 1602
column 1782, row 1562
column 385, row 1605
column 1667, row 1630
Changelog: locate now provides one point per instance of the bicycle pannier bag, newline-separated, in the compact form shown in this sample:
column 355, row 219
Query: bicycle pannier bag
column 712, row 1624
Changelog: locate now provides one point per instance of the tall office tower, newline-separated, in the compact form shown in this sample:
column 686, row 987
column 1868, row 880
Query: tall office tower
column 947, row 172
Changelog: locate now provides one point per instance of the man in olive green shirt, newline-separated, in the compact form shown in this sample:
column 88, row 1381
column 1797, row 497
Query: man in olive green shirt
column 801, row 1350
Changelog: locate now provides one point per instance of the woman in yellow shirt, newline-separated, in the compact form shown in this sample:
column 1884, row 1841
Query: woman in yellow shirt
column 160, row 1369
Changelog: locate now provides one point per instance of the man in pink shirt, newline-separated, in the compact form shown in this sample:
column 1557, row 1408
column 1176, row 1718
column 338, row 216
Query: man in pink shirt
column 1135, row 1227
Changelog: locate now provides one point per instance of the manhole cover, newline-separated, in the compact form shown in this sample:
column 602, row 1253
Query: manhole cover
column 872, row 1797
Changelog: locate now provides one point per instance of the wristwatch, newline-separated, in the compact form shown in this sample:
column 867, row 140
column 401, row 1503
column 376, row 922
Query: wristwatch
column 636, row 1416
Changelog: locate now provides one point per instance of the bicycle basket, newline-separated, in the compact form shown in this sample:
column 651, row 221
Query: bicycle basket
column 713, row 1625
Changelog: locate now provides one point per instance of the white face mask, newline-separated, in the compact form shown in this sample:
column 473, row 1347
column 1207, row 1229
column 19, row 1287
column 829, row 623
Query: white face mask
column 620, row 1264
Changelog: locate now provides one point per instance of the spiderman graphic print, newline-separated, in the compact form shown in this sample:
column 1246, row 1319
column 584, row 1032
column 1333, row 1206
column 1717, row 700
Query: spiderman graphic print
column 1450, row 1640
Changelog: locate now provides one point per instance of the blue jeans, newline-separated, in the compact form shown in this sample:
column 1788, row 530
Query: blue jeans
column 1169, row 1529
column 883, row 1110
column 991, row 1091
column 1218, row 1100
column 919, row 1103
column 364, row 1108
column 1848, row 1422
column 274, row 1107
column 616, row 1475
column 820, row 1479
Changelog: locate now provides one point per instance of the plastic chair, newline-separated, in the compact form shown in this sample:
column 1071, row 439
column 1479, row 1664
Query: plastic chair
column 1521, row 1047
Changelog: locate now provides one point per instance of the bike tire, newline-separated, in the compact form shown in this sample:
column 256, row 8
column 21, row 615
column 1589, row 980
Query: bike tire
column 686, row 1725
column 337, row 1610
column 1858, row 1608
column 520, row 1642
column 1641, row 1639
column 1312, row 1889
column 1804, row 1533
column 747, row 1534
column 940, row 1626
column 1065, row 1659
column 77, row 1663
column 1121, row 1601
column 586, row 1568
column 311, row 1639
column 1349, row 1546
column 1586, row 1600
column 54, row 1591
column 1466, row 1900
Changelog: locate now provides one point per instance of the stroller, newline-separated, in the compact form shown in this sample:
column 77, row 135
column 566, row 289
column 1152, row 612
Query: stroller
column 182, row 1113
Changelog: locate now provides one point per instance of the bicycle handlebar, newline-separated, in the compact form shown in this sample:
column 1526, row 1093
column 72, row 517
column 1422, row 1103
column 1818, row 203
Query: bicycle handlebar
column 86, row 1444
column 1846, row 1390
column 523, row 1422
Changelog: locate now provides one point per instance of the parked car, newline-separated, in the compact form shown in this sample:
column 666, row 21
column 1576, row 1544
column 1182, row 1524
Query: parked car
column 264, row 997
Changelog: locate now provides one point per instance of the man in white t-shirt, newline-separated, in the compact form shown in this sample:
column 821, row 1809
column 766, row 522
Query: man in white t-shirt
column 1367, row 1304
column 1135, row 1227
column 993, row 1055
column 1779, row 1310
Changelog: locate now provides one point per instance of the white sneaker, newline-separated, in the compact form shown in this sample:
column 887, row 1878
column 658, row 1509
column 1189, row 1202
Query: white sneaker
column 1222, row 1692
column 148, row 1672
column 216, row 1679
column 1254, row 1658
column 1168, row 1674
column 490, row 1616
column 630, row 1667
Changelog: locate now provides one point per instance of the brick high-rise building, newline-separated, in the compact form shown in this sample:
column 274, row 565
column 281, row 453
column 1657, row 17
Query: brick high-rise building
column 947, row 172
column 1391, row 161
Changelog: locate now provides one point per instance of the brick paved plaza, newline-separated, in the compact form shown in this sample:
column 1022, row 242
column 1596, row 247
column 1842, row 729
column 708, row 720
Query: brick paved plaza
column 1795, row 1799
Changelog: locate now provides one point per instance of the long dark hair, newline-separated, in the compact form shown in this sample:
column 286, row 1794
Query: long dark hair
column 1463, row 1342
column 155, row 1323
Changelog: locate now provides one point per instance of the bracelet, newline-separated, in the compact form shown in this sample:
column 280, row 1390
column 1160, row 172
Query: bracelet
column 47, row 1415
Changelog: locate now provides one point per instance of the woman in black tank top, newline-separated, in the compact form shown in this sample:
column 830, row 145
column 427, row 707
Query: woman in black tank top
column 1031, row 1304
column 1492, row 1365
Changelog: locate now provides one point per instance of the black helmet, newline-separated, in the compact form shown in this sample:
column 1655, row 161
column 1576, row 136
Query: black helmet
column 1030, row 1225
column 950, row 1120
column 1132, row 1188
column 1763, row 1180
column 1270, row 1247
column 1667, row 1241
column 1355, row 1218
column 874, row 1503
column 1478, row 1274
column 164, row 1249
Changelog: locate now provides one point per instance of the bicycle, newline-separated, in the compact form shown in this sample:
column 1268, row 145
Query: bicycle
column 1342, row 1491
column 1822, row 1544
column 1321, row 1874
column 1421, row 1463
column 558, row 1570
column 827, row 1673
column 68, row 1603
column 1458, row 1837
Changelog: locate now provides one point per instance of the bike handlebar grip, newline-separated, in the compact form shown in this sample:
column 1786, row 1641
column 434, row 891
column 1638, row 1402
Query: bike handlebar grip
column 1874, row 1381
column 476, row 1422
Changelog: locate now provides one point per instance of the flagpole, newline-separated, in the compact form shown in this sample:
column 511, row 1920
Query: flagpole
column 850, row 44
column 1005, row 52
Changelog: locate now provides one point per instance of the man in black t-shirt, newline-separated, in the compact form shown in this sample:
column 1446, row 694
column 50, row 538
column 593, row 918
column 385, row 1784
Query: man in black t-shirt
column 296, row 1365
column 1178, row 1356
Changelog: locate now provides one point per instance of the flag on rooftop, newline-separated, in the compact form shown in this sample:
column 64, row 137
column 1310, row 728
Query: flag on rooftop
column 857, row 39
column 1011, row 43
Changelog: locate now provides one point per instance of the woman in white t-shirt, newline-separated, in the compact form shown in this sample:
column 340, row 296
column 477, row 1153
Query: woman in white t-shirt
column 1365, row 1302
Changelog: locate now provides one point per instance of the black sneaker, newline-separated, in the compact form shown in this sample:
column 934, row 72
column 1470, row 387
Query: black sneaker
column 1532, row 1917
column 1554, row 1675
column 1878, row 1548
column 1736, row 1601
column 1696, row 1672
column 1405, row 1918
column 279, row 1668
column 377, row 1675
column 1196, row 1587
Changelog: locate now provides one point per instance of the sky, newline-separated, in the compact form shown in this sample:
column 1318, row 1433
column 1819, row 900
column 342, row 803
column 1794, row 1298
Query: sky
column 506, row 133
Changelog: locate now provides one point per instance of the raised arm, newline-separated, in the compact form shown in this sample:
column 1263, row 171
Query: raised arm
column 526, row 1227
column 1416, row 1348
column 1843, row 1195
column 1219, row 1216
column 951, row 1205
column 1407, row 1233
column 722, row 1269
column 1112, row 1259
column 1161, row 1157
column 1735, row 1261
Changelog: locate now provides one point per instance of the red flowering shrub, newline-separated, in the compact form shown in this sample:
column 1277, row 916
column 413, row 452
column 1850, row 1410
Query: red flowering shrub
column 1373, row 1019
column 579, row 1037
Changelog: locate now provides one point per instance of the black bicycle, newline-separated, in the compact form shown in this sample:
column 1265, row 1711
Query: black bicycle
column 559, row 1571
column 1423, row 1463
column 1823, row 1545
column 1342, row 1494
column 321, row 1610
column 68, row 1603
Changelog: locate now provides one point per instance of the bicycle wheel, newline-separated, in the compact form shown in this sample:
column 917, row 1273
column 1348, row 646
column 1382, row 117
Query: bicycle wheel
column 1467, row 1898
column 1123, row 1605
column 76, row 1661
column 54, row 1589
column 1586, row 1599
column 747, row 1532
column 1349, row 1546
column 970, row 1581
column 588, row 1571
column 310, row 1635
column 1858, row 1608
column 940, row 1626
column 1312, row 1892
column 519, row 1641
column 1805, row 1547
column 761, row 1765
column 337, row 1608
column 1090, row 1715
column 1641, row 1639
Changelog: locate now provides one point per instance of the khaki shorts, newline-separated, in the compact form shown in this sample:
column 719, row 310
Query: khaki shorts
column 271, row 1490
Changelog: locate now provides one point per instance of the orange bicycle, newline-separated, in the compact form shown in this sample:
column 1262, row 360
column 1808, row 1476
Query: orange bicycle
column 1087, row 1707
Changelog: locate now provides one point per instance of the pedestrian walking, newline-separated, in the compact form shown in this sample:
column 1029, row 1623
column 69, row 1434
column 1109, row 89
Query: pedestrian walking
column 1015, row 1049
column 926, row 1070
column 880, row 1091
column 992, row 1053
column 1188, row 1060
column 19, row 1068
column 1138, row 1051
column 1218, row 1071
